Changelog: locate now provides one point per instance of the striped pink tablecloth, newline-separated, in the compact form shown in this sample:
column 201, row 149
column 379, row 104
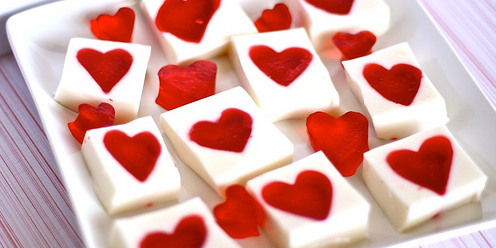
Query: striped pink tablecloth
column 35, row 210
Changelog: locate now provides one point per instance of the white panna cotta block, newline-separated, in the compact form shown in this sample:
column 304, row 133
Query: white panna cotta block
column 227, row 21
column 267, row 148
column 77, row 85
column 346, row 221
column 407, row 203
column 311, row 91
column 130, row 232
column 390, row 119
column 123, row 186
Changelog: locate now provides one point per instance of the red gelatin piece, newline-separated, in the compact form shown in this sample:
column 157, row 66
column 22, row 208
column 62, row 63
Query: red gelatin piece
column 354, row 45
column 429, row 167
column 278, row 18
column 338, row 7
column 240, row 215
column 343, row 140
column 182, row 85
column 282, row 67
column 90, row 117
column 137, row 154
column 189, row 233
column 309, row 196
column 118, row 27
column 230, row 132
column 400, row 84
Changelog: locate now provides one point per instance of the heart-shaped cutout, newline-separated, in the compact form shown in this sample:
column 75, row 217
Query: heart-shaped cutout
column 343, row 140
column 354, row 45
column 429, row 167
column 309, row 196
column 186, row 19
column 338, row 7
column 278, row 18
column 400, row 84
column 91, row 117
column 118, row 27
column 230, row 132
column 182, row 85
column 282, row 67
column 190, row 232
column 107, row 69
column 137, row 154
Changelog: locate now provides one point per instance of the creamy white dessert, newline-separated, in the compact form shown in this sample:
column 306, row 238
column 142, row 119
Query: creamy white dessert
column 130, row 166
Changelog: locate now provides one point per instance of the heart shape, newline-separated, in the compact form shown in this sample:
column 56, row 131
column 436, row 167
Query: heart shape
column 309, row 196
column 137, row 154
column 278, row 18
column 90, row 117
column 118, row 27
column 182, row 85
column 240, row 215
column 230, row 132
column 282, row 67
column 354, row 45
column 186, row 19
column 343, row 140
column 400, row 84
column 339, row 7
column 190, row 232
column 107, row 69
column 429, row 167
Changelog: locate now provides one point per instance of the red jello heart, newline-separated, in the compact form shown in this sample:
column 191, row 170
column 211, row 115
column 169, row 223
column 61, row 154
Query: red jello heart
column 309, row 196
column 90, row 117
column 278, row 18
column 240, row 215
column 191, row 232
column 186, row 19
column 282, row 67
column 230, row 132
column 137, row 154
column 339, row 7
column 182, row 85
column 343, row 140
column 429, row 167
column 118, row 27
column 400, row 84
column 354, row 45
column 107, row 69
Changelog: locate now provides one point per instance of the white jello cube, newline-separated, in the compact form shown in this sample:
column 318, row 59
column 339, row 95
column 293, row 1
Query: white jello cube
column 265, row 148
column 187, row 223
column 310, row 221
column 278, row 96
column 423, row 183
column 402, row 116
column 226, row 21
column 116, row 85
column 130, row 166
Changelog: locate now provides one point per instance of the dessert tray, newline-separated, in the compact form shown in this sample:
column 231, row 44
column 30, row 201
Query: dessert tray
column 40, row 45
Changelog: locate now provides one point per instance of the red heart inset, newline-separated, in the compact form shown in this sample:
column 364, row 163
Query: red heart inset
column 186, row 19
column 229, row 133
column 182, row 85
column 137, row 154
column 107, row 69
column 191, row 232
column 283, row 67
column 354, row 45
column 339, row 7
column 400, row 84
column 429, row 167
column 90, row 117
column 118, row 27
column 309, row 196
column 278, row 18
column 240, row 215
column 343, row 140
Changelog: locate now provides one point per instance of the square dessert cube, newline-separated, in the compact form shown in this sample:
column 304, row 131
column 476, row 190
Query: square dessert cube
column 97, row 71
column 309, row 204
column 420, row 176
column 187, row 224
column 130, row 166
column 225, row 139
column 195, row 30
column 398, row 97
column 283, row 74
